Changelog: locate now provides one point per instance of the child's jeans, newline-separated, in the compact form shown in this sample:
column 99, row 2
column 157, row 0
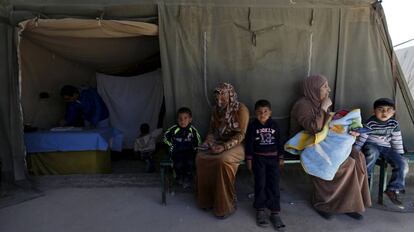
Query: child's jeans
column 398, row 163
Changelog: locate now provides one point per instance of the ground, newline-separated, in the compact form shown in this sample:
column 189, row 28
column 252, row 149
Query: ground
column 132, row 202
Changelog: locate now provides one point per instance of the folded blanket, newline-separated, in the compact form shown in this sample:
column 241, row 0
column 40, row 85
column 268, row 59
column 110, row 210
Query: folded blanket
column 323, row 153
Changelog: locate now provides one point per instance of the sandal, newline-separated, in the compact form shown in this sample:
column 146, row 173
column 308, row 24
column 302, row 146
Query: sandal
column 355, row 215
column 226, row 215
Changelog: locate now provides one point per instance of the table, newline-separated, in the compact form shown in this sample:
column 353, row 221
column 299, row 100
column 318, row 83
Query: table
column 77, row 151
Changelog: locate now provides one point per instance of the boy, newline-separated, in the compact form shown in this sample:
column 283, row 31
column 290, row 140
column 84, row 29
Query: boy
column 385, row 140
column 145, row 145
column 264, row 153
column 183, row 140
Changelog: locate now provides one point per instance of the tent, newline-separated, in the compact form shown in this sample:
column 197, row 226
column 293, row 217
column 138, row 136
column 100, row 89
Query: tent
column 406, row 59
column 265, row 48
column 72, row 51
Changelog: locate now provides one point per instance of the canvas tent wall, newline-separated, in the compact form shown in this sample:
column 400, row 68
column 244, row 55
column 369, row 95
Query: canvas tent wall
column 265, row 48
column 406, row 60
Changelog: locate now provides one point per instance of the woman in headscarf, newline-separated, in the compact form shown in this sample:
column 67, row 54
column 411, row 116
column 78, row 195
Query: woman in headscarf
column 348, row 192
column 217, row 166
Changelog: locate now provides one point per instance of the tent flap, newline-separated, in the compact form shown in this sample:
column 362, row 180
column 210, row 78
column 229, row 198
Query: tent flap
column 12, row 155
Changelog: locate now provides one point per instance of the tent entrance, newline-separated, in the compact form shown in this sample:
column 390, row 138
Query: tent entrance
column 120, row 58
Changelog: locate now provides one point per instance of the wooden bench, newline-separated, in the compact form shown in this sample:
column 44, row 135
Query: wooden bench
column 166, row 165
column 382, row 182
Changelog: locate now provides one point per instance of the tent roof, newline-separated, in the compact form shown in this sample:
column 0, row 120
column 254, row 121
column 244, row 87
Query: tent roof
column 88, row 28
column 144, row 10
column 195, row 2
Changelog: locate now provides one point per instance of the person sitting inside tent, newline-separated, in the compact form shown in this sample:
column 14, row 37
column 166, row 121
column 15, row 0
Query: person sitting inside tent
column 145, row 145
column 84, row 107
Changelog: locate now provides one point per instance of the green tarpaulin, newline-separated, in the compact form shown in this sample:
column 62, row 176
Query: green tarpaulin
column 264, row 47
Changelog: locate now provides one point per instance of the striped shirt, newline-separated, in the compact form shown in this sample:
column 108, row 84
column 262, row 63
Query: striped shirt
column 386, row 134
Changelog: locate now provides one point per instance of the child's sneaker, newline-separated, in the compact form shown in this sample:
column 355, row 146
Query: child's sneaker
column 277, row 222
column 261, row 219
column 393, row 196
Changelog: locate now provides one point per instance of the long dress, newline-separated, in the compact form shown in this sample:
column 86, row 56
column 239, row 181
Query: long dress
column 216, row 172
column 349, row 190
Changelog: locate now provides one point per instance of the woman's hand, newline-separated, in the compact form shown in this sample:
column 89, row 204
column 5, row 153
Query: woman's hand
column 204, row 146
column 326, row 103
column 217, row 148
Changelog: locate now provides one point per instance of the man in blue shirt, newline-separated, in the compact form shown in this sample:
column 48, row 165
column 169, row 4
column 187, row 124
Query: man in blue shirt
column 84, row 106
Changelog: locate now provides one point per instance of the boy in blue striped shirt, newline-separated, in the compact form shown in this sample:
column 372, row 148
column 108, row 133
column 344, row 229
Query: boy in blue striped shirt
column 183, row 139
column 384, row 140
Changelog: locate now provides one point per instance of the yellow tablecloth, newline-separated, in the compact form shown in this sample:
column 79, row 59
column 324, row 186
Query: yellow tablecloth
column 70, row 162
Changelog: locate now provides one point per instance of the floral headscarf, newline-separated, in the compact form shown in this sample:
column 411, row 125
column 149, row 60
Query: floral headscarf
column 227, row 117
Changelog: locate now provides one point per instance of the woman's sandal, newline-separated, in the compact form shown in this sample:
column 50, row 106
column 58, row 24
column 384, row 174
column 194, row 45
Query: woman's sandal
column 229, row 214
column 226, row 215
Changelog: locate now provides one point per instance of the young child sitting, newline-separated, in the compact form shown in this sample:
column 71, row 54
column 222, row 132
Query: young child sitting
column 145, row 145
column 384, row 140
column 264, row 153
column 183, row 140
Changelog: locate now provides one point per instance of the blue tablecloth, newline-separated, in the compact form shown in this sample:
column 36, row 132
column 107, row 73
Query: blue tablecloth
column 84, row 140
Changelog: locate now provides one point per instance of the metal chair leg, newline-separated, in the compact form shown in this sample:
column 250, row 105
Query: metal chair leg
column 163, row 186
column 371, row 181
column 382, row 180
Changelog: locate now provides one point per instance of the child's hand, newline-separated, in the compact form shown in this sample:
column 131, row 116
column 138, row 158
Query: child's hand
column 354, row 133
column 249, row 165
